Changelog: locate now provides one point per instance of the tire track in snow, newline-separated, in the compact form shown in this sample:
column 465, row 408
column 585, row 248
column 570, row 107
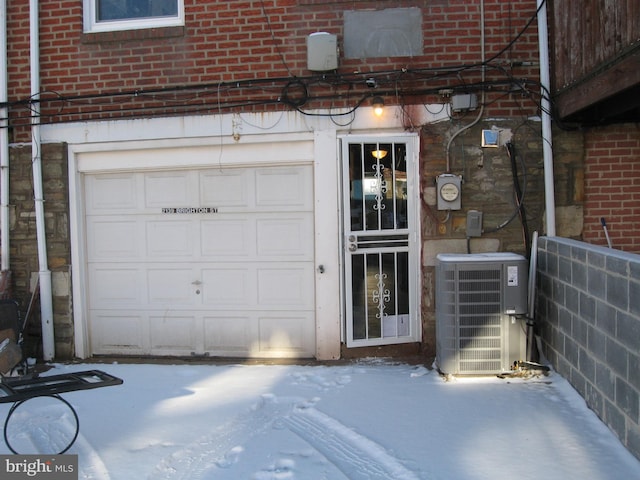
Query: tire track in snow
column 224, row 448
column 358, row 457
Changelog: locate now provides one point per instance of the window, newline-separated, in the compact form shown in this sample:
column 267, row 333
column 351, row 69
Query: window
column 109, row 15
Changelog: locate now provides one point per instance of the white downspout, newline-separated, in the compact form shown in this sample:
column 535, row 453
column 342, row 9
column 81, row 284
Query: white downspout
column 46, row 302
column 547, row 145
column 4, row 143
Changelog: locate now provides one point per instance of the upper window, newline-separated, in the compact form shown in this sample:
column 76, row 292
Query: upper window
column 109, row 15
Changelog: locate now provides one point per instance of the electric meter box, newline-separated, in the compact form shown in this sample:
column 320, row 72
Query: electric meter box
column 448, row 192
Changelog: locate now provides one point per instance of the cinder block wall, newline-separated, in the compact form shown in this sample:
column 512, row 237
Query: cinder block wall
column 589, row 319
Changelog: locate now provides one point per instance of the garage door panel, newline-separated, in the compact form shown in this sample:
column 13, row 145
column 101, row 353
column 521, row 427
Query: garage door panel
column 227, row 188
column 170, row 238
column 223, row 287
column 285, row 236
column 117, row 333
column 286, row 188
column 171, row 286
column 168, row 189
column 112, row 239
column 285, row 286
column 174, row 334
column 226, row 237
column 228, row 333
column 100, row 190
column 115, row 287
column 285, row 335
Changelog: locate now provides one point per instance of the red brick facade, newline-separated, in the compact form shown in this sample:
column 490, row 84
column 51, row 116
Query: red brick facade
column 174, row 70
column 612, row 186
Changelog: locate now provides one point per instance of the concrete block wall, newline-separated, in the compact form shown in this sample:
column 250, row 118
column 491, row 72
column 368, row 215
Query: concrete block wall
column 589, row 319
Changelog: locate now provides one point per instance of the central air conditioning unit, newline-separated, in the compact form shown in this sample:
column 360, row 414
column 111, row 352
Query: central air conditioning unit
column 479, row 298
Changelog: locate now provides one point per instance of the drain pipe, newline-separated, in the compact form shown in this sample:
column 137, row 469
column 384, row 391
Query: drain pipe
column 4, row 143
column 46, row 297
column 547, row 146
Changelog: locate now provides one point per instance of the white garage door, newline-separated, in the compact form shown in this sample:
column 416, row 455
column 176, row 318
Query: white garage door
column 201, row 262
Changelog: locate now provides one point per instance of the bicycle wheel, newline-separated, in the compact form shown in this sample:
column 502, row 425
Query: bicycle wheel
column 41, row 425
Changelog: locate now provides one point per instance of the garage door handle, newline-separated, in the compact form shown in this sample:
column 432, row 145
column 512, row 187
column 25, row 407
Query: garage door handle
column 196, row 282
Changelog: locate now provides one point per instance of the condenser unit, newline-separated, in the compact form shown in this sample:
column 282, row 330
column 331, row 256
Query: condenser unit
column 480, row 303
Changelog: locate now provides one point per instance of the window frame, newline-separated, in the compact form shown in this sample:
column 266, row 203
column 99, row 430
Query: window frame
column 91, row 25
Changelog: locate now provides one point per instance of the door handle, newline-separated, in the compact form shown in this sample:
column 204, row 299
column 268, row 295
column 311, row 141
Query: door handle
column 196, row 282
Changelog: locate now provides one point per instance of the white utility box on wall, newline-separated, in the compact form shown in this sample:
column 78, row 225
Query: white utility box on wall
column 322, row 52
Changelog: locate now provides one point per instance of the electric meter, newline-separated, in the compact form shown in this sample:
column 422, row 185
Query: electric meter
column 448, row 189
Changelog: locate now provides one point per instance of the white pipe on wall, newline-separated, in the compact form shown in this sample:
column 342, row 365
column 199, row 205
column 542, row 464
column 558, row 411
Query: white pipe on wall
column 46, row 295
column 547, row 145
column 4, row 143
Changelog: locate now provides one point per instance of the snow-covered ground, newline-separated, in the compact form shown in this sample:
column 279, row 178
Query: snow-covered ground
column 369, row 420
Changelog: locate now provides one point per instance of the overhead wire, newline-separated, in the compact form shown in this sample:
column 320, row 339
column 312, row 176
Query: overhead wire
column 194, row 98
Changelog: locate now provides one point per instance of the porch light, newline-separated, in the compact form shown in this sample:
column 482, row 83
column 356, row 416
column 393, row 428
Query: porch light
column 378, row 106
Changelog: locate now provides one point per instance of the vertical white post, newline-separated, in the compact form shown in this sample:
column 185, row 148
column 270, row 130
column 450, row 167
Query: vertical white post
column 4, row 142
column 547, row 145
column 46, row 301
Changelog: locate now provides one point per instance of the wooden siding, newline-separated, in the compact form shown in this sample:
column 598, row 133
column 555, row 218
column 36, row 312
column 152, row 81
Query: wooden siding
column 595, row 50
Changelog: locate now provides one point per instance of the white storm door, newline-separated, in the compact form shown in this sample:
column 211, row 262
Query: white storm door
column 380, row 241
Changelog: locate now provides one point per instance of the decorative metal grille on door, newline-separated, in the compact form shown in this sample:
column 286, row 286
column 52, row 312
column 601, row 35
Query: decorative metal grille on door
column 377, row 243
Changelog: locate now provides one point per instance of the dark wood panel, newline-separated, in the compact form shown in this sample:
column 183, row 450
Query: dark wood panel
column 594, row 49
column 588, row 33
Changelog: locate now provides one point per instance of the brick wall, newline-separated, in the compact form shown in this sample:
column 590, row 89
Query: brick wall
column 589, row 320
column 612, row 186
column 24, row 247
column 227, row 42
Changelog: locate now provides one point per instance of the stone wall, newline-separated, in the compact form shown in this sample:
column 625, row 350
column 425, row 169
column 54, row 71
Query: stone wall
column 24, row 262
column 589, row 319
column 487, row 186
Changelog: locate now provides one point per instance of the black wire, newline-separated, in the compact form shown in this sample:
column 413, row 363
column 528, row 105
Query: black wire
column 517, row 37
column 519, row 199
column 186, row 105
column 511, row 151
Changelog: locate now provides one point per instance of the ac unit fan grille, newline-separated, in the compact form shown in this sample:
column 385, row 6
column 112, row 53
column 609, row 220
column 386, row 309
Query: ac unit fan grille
column 479, row 320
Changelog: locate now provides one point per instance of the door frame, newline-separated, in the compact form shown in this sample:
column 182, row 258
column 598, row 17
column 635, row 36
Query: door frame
column 412, row 141
column 313, row 148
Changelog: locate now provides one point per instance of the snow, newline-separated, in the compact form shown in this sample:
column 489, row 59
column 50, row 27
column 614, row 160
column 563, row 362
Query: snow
column 366, row 420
